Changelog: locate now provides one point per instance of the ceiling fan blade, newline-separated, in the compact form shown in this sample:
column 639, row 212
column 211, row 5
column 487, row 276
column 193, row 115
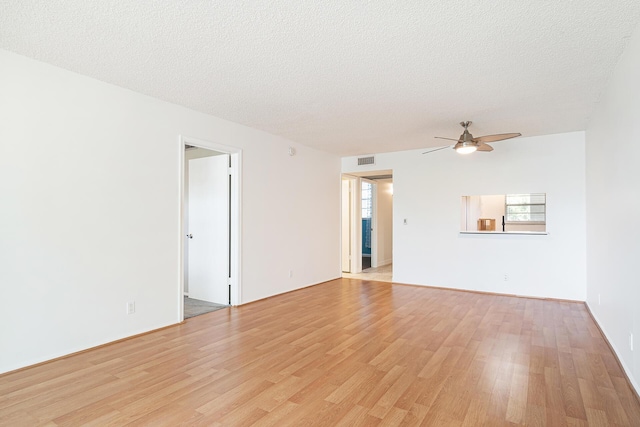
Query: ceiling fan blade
column 436, row 149
column 484, row 147
column 494, row 138
column 450, row 139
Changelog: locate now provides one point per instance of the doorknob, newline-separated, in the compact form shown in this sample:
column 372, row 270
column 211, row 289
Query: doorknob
column 190, row 236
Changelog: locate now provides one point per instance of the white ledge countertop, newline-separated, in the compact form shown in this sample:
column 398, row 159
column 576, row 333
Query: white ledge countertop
column 526, row 233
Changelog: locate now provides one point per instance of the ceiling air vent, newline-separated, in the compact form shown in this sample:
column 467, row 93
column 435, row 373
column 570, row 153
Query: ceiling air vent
column 366, row 160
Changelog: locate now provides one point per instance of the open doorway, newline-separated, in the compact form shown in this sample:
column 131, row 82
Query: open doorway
column 206, row 224
column 367, row 225
column 367, row 190
column 210, row 227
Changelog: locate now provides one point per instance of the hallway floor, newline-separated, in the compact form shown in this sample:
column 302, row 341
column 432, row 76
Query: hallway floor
column 195, row 307
column 380, row 274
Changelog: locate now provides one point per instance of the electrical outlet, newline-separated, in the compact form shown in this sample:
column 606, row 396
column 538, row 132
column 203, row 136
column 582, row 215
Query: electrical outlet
column 631, row 341
column 131, row 307
column 290, row 273
column 404, row 222
column 506, row 278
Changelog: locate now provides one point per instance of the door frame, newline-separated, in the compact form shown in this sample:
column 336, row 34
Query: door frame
column 235, row 217
column 345, row 224
column 355, row 219
column 355, row 232
column 374, row 222
column 356, row 179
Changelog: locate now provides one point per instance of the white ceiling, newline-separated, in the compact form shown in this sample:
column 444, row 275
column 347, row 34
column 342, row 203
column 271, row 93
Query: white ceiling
column 348, row 77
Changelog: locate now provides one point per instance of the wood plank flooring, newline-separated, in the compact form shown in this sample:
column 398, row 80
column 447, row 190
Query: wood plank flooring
column 342, row 353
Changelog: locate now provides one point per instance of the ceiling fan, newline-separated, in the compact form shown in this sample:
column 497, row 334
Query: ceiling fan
column 468, row 144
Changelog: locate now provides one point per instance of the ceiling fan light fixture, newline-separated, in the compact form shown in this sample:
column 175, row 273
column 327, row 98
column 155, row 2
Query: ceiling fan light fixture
column 465, row 147
column 468, row 144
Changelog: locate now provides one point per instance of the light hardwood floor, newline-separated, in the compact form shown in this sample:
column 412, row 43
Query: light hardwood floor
column 345, row 353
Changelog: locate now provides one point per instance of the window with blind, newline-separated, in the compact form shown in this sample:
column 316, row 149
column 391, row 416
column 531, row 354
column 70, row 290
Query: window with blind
column 367, row 199
column 526, row 208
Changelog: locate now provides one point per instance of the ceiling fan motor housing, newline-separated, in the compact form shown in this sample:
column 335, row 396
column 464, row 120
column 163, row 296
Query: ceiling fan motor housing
column 466, row 139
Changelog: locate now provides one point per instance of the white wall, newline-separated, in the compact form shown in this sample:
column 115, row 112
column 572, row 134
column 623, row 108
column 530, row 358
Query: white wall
column 427, row 190
column 472, row 211
column 89, row 180
column 384, row 221
column 613, row 210
column 482, row 206
column 492, row 206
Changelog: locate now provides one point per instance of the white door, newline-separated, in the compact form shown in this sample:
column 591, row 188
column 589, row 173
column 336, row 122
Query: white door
column 209, row 229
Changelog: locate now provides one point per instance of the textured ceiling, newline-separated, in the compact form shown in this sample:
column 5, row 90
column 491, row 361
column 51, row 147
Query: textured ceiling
column 348, row 77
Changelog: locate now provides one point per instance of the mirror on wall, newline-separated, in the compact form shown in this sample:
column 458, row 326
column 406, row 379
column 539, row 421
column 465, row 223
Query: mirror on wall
column 504, row 213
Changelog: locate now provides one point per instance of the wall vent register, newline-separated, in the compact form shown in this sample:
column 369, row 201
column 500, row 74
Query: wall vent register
column 366, row 160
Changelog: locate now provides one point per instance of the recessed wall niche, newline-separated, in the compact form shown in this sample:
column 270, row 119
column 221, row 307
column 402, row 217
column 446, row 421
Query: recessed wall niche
column 504, row 213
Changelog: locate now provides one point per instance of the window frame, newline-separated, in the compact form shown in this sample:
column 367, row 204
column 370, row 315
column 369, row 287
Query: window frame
column 369, row 200
column 507, row 204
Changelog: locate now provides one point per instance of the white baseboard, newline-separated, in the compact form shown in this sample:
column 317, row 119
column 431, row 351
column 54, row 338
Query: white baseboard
column 628, row 372
column 385, row 262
